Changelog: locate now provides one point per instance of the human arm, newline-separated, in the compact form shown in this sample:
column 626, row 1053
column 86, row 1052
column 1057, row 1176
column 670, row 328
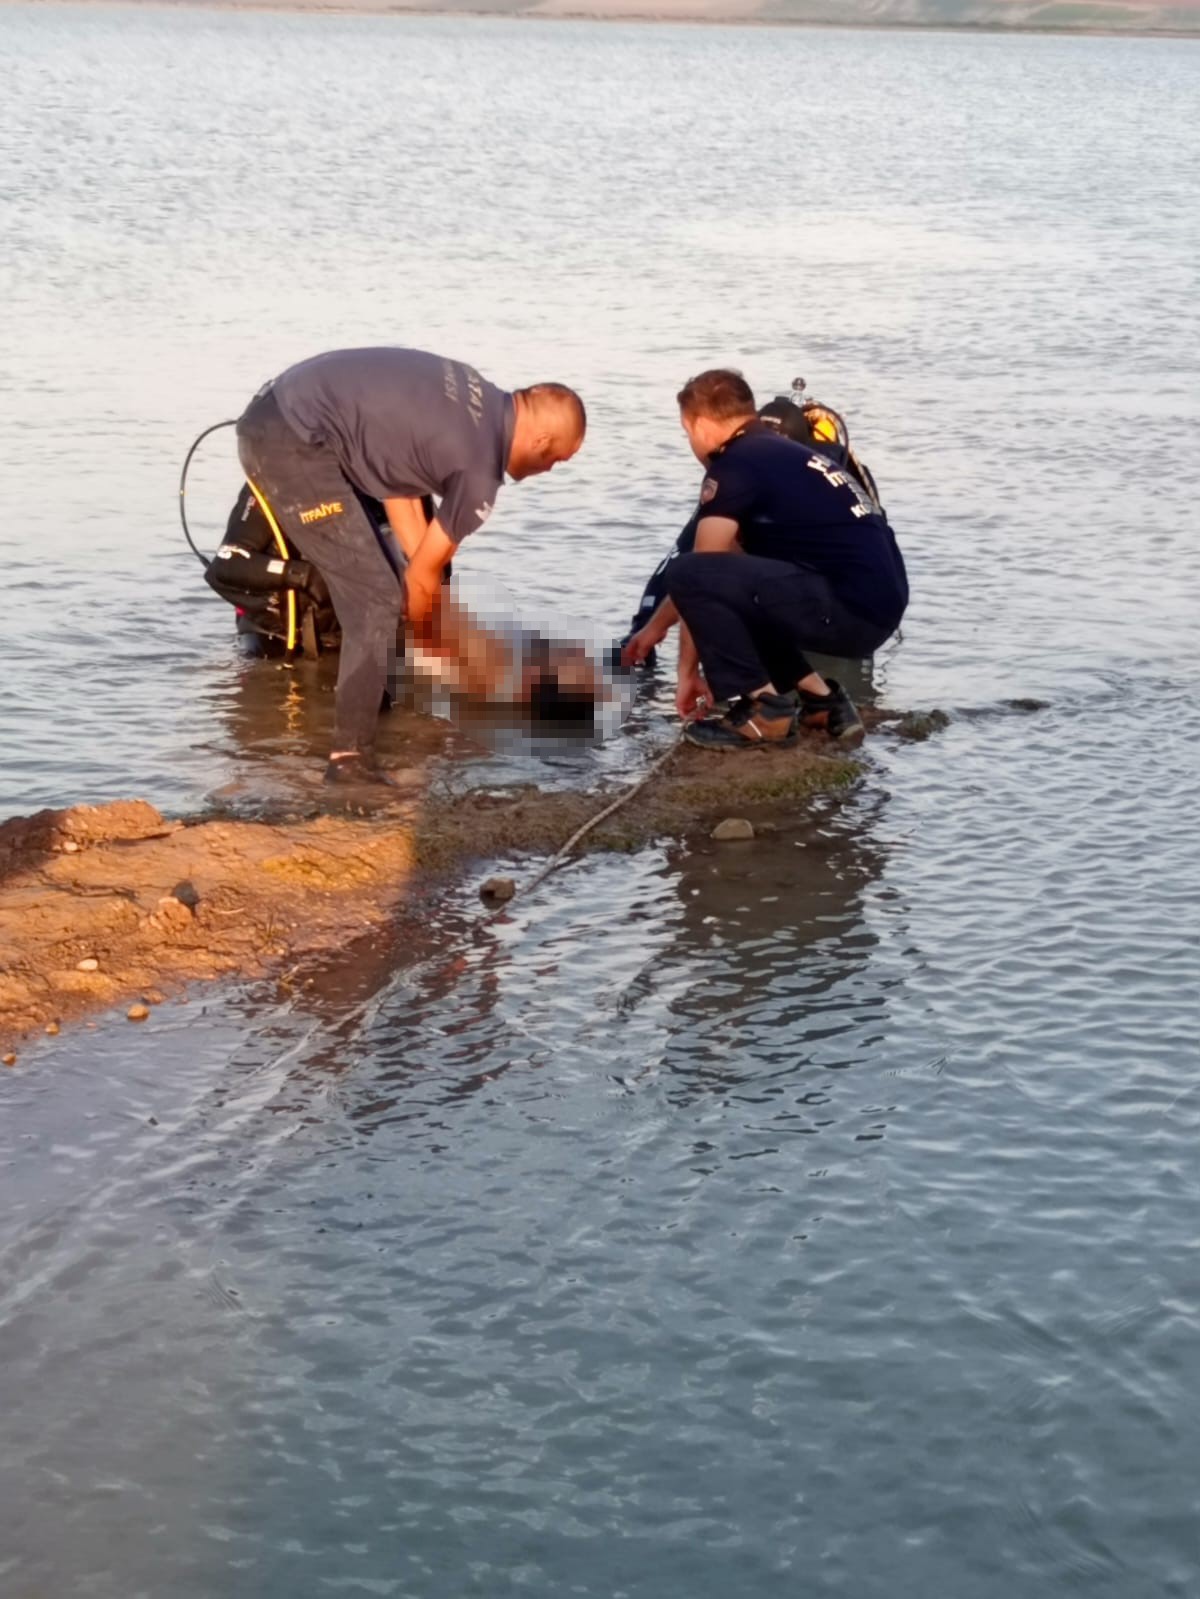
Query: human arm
column 466, row 504
column 407, row 520
column 691, row 691
column 423, row 579
column 714, row 535
column 717, row 535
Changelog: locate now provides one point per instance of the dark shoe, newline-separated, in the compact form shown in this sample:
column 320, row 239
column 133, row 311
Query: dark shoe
column 768, row 722
column 836, row 712
column 357, row 770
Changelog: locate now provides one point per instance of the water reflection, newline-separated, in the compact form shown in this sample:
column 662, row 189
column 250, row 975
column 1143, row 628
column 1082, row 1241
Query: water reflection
column 750, row 969
column 774, row 936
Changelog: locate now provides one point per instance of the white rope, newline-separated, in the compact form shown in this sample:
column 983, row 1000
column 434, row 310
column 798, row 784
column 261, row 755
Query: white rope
column 561, row 854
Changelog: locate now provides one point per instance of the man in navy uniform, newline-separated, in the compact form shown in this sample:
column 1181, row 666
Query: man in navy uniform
column 394, row 425
column 791, row 554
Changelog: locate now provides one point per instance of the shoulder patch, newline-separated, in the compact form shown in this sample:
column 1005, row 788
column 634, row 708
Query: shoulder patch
column 708, row 490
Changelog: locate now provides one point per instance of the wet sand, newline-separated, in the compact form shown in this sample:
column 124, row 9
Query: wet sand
column 114, row 905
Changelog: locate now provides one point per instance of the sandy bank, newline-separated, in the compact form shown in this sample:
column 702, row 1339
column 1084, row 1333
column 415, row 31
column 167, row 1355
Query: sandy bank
column 1179, row 19
column 115, row 905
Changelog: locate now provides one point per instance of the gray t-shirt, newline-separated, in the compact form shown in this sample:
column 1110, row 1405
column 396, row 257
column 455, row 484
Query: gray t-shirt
column 403, row 423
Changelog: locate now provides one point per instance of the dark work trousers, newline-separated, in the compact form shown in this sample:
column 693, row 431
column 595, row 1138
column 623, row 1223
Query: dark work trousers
column 752, row 620
column 318, row 511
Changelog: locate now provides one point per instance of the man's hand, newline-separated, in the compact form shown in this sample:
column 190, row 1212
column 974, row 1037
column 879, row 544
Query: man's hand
column 638, row 645
column 691, row 694
column 423, row 580
column 650, row 635
column 420, row 602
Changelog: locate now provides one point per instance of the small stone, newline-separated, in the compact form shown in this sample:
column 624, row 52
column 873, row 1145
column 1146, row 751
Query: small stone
column 52, row 1028
column 186, row 893
column 732, row 828
column 138, row 1013
column 70, row 847
column 90, row 964
column 497, row 889
column 154, row 997
column 10, row 1059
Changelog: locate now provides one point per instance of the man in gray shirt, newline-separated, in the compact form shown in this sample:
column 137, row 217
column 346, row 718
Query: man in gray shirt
column 395, row 425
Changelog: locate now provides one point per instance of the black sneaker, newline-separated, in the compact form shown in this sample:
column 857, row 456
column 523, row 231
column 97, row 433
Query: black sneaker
column 356, row 770
column 766, row 722
column 836, row 712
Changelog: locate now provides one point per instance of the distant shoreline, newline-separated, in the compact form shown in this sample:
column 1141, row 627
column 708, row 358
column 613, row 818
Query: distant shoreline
column 689, row 13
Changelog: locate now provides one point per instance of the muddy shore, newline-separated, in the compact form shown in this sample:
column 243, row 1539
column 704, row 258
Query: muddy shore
column 115, row 905
column 1143, row 18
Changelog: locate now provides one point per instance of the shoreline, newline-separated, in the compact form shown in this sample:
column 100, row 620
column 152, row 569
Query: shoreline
column 113, row 905
column 684, row 17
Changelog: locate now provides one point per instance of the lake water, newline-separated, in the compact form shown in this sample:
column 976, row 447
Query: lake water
column 820, row 1219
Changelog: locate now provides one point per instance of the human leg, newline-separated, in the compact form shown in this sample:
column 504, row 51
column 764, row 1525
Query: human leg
column 753, row 620
column 319, row 512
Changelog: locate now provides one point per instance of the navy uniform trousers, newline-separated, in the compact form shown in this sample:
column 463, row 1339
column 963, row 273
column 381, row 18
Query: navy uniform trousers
column 753, row 620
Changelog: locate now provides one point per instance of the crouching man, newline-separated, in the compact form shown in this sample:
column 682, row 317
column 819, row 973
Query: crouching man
column 791, row 555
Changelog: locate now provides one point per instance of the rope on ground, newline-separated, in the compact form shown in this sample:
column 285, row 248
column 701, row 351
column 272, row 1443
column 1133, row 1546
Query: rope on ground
column 561, row 854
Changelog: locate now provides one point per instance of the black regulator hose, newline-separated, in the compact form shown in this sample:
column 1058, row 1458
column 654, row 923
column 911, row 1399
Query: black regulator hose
column 187, row 461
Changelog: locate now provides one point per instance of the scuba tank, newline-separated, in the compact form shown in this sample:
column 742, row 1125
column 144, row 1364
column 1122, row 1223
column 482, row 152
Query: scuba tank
column 819, row 427
column 251, row 576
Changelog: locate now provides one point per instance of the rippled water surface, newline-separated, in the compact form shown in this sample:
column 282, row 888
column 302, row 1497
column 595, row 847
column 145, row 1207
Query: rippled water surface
column 814, row 1219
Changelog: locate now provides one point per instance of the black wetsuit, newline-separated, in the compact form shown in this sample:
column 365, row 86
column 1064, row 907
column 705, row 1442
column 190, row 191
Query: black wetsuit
column 655, row 591
column 382, row 423
column 821, row 570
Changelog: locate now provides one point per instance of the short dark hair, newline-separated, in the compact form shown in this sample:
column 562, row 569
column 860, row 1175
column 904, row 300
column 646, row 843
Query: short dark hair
column 550, row 702
column 720, row 394
column 559, row 398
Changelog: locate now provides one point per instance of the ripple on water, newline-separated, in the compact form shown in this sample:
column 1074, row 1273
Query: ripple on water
column 817, row 1219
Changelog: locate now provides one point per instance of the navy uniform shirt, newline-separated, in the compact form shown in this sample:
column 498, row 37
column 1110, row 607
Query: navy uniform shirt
column 792, row 504
column 403, row 423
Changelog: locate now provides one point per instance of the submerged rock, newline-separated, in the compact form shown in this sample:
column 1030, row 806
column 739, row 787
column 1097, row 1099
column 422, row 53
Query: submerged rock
column 138, row 1013
column 731, row 829
column 920, row 725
